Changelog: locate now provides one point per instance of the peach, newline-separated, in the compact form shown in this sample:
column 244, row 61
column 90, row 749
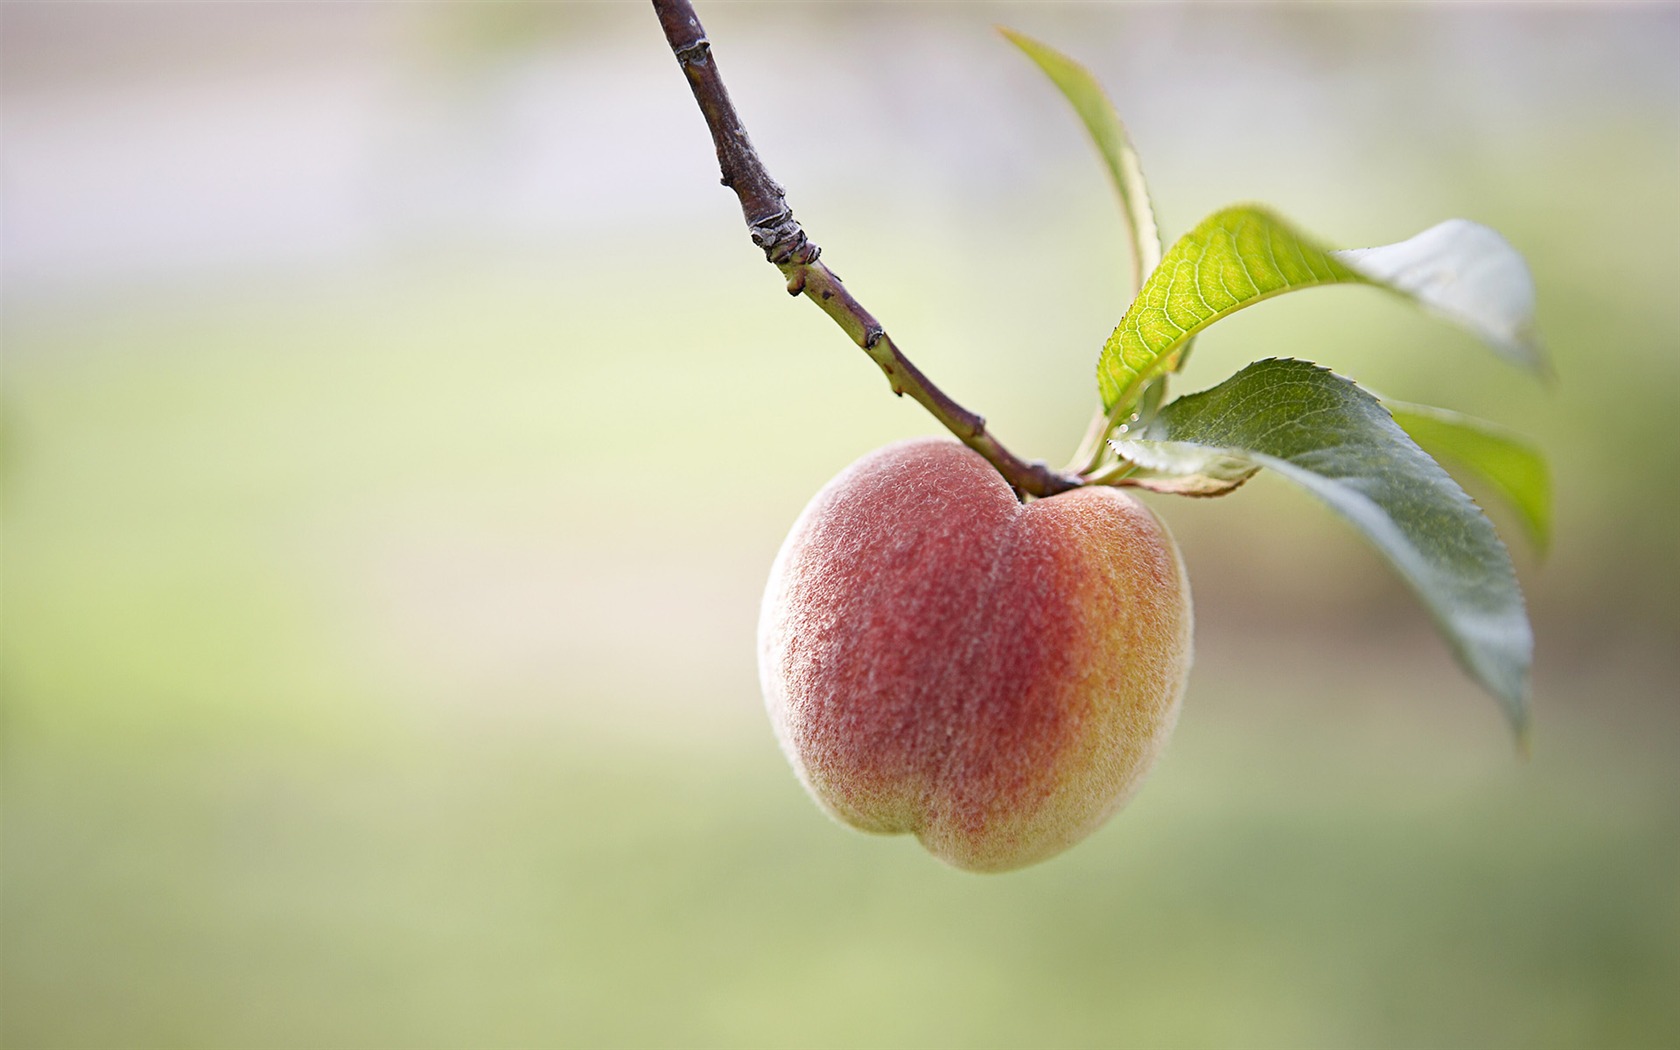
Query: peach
column 992, row 677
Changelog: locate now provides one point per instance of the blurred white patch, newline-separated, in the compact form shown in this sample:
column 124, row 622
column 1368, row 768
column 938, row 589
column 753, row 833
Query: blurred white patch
column 1464, row 272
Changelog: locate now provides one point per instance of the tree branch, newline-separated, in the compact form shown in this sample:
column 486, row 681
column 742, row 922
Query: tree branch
column 774, row 229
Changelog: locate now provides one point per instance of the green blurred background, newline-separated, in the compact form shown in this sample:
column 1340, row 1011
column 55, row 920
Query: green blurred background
column 397, row 427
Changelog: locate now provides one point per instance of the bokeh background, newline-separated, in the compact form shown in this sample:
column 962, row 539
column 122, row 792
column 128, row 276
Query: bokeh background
column 397, row 427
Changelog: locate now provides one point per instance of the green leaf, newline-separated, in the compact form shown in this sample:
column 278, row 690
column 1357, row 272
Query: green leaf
column 1182, row 468
column 1103, row 123
column 1458, row 270
column 1337, row 441
column 1465, row 274
column 1508, row 462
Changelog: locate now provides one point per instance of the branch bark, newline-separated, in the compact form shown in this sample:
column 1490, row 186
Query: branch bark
column 774, row 229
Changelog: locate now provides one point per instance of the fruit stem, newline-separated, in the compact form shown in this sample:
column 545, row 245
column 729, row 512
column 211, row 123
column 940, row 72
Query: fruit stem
column 774, row 229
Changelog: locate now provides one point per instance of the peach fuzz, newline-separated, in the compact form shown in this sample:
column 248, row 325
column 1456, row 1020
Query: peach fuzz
column 993, row 677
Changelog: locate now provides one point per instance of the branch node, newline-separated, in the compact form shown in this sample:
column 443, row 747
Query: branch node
column 872, row 336
column 694, row 54
column 781, row 238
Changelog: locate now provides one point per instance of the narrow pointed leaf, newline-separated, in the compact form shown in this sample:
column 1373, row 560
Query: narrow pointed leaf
column 1508, row 462
column 1238, row 256
column 1103, row 123
column 1463, row 273
column 1337, row 441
